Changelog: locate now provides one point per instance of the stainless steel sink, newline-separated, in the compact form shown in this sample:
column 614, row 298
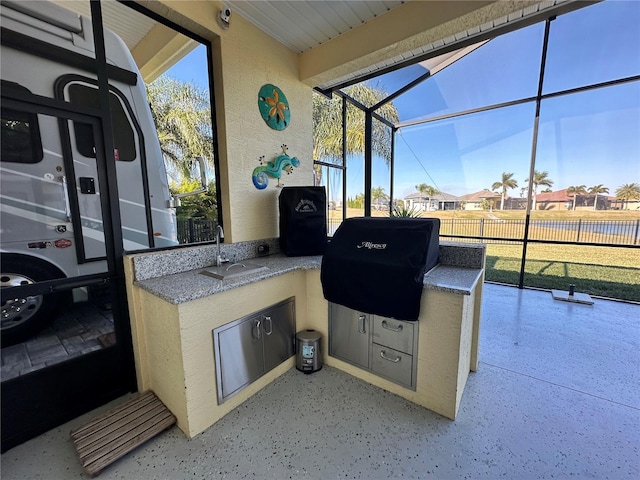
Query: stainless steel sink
column 233, row 270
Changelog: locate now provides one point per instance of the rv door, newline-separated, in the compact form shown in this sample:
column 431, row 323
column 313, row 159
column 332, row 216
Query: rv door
column 38, row 239
column 129, row 153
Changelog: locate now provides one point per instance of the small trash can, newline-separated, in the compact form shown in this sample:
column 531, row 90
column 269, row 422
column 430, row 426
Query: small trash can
column 309, row 354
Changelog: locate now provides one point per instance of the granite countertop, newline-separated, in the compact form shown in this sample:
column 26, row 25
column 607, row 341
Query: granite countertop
column 184, row 287
column 447, row 278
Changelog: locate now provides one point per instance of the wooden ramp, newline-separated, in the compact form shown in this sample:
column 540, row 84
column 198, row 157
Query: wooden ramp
column 114, row 434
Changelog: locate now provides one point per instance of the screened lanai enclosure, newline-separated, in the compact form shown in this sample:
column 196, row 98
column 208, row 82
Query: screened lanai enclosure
column 526, row 141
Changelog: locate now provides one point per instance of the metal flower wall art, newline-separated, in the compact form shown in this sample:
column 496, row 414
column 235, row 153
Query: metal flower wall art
column 273, row 168
column 274, row 107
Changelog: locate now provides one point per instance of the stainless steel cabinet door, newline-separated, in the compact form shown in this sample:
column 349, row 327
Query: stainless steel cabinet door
column 241, row 354
column 349, row 335
column 278, row 327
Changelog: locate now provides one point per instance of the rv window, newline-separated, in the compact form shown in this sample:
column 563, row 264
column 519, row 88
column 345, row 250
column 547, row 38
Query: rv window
column 123, row 137
column 20, row 137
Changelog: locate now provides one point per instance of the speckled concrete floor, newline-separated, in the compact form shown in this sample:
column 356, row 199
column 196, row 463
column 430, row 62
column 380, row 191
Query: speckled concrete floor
column 556, row 396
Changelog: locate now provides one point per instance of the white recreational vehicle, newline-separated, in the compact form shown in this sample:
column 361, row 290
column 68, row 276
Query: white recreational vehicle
column 51, row 214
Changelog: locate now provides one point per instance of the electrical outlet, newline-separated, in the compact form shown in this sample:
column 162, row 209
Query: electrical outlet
column 263, row 249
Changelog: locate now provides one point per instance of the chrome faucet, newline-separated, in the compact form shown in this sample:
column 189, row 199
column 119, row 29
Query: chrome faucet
column 219, row 236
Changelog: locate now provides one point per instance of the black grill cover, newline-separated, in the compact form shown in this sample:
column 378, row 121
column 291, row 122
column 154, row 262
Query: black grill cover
column 377, row 265
column 303, row 220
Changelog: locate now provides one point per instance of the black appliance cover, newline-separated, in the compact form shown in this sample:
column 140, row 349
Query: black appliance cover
column 377, row 265
column 303, row 220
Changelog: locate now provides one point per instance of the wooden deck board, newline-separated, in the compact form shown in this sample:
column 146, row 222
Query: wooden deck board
column 105, row 419
column 109, row 437
column 111, row 433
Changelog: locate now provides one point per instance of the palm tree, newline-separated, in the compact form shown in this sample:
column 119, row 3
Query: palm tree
column 507, row 182
column 357, row 202
column 327, row 126
column 428, row 191
column 539, row 178
column 628, row 191
column 182, row 114
column 574, row 191
column 595, row 190
column 378, row 194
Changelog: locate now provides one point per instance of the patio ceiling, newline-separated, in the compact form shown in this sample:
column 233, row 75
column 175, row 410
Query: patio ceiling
column 303, row 25
column 319, row 29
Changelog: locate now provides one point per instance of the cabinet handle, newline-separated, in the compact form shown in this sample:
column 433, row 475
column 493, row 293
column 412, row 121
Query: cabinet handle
column 267, row 318
column 386, row 325
column 258, row 332
column 361, row 323
column 393, row 360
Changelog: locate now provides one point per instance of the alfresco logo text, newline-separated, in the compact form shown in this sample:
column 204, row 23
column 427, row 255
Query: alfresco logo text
column 371, row 245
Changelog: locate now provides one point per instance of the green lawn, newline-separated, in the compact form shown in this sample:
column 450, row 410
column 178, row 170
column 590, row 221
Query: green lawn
column 601, row 271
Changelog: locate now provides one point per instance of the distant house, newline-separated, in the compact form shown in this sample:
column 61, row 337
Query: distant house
column 419, row 201
column 479, row 200
column 559, row 200
column 446, row 201
column 380, row 204
column 618, row 204
column 422, row 202
column 515, row 203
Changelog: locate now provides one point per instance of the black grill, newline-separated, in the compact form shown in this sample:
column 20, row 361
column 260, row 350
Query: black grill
column 377, row 265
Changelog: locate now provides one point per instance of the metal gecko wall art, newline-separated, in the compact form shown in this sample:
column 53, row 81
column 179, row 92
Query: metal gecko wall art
column 273, row 168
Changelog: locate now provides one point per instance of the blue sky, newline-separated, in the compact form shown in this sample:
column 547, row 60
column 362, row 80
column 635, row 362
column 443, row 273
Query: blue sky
column 588, row 138
column 192, row 68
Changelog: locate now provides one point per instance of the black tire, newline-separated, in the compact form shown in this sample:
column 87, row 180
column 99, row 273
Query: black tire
column 21, row 318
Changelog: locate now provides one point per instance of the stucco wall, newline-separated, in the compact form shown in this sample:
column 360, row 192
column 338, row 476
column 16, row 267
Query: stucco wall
column 245, row 58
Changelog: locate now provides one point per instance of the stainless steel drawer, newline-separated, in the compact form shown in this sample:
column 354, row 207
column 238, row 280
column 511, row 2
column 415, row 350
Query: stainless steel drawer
column 393, row 333
column 390, row 363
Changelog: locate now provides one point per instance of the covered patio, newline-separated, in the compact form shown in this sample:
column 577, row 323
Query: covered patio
column 556, row 392
column 555, row 396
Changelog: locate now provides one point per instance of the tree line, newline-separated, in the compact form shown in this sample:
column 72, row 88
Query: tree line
column 626, row 192
column 182, row 114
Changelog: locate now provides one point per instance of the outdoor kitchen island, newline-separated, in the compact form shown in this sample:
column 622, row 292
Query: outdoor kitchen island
column 173, row 314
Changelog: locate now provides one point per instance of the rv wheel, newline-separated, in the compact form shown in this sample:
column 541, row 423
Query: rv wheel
column 23, row 317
